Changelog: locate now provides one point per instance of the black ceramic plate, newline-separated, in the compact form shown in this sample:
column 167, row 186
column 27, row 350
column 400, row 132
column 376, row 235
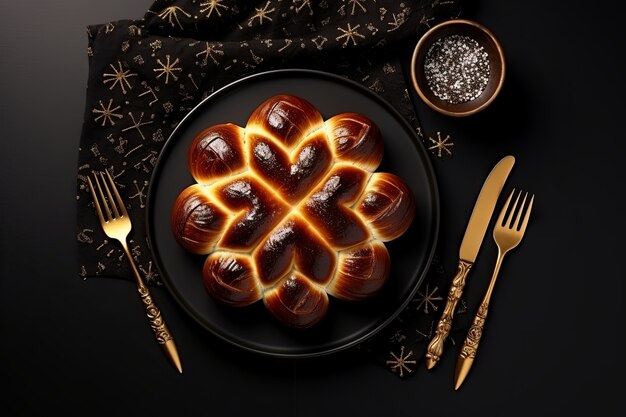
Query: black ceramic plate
column 347, row 323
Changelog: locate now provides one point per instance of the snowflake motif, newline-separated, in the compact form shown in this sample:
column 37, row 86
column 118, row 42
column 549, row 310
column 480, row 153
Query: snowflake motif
column 118, row 76
column 168, row 69
column 210, row 50
column 109, row 27
column 355, row 4
column 428, row 299
column 213, row 6
column 441, row 145
column 171, row 14
column 399, row 363
column 261, row 13
column 149, row 274
column 137, row 124
column 349, row 34
column 106, row 114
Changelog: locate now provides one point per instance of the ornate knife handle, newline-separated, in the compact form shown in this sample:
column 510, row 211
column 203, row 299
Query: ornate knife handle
column 435, row 347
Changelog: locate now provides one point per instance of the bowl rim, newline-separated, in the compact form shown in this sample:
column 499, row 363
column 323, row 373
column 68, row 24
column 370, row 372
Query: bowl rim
column 420, row 47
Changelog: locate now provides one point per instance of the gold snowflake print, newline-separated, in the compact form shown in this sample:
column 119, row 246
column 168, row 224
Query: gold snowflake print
column 357, row 4
column 118, row 77
column 106, row 114
column 211, row 49
column 399, row 363
column 171, row 14
column 427, row 299
column 349, row 34
column 137, row 124
column 261, row 13
column 441, row 145
column 168, row 69
column 212, row 6
column 149, row 274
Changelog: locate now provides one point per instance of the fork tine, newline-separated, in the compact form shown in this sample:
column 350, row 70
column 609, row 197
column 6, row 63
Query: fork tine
column 504, row 208
column 95, row 201
column 509, row 220
column 120, row 202
column 519, row 211
column 527, row 216
column 103, row 199
column 111, row 201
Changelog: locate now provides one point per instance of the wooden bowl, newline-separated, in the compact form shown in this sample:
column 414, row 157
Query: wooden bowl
column 497, row 65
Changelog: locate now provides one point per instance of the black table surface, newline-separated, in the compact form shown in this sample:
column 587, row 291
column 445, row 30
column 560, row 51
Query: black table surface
column 554, row 340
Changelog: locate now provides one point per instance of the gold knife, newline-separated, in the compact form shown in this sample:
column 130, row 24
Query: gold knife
column 473, row 238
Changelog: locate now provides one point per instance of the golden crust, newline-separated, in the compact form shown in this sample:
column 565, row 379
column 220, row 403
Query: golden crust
column 291, row 210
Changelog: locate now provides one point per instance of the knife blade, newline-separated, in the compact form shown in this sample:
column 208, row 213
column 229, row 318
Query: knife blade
column 470, row 246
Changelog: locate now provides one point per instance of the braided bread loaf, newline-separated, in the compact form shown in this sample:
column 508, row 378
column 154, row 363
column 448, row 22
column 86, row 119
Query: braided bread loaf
column 289, row 210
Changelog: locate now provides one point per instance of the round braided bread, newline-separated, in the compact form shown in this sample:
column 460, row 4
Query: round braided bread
column 290, row 209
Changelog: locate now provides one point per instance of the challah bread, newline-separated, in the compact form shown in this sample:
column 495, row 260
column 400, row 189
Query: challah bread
column 290, row 210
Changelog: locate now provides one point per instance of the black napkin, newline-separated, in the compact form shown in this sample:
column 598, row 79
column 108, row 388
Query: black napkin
column 146, row 74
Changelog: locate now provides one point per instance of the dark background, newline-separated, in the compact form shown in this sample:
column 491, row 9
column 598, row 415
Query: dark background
column 554, row 337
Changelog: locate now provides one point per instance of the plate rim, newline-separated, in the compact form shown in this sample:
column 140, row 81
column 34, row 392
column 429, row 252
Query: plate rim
column 432, row 181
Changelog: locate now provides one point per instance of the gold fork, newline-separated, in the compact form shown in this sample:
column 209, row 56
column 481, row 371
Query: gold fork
column 507, row 234
column 117, row 225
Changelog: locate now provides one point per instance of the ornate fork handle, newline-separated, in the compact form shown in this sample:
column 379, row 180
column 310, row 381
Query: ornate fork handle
column 470, row 345
column 444, row 326
column 157, row 323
